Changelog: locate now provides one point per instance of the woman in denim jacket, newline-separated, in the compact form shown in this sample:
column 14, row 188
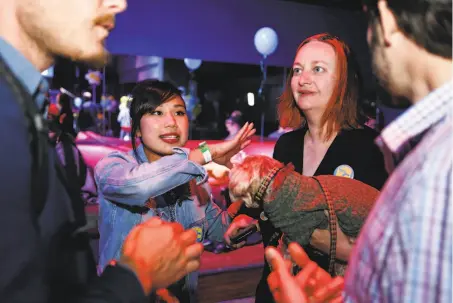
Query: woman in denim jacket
column 160, row 177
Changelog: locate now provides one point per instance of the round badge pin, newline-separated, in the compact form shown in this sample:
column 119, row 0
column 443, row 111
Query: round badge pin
column 263, row 216
column 199, row 232
column 344, row 170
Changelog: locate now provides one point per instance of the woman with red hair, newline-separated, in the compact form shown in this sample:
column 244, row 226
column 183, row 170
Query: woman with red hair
column 321, row 102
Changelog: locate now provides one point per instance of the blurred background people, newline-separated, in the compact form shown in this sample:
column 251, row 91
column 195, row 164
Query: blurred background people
column 280, row 131
column 234, row 124
column 66, row 115
column 124, row 118
column 88, row 114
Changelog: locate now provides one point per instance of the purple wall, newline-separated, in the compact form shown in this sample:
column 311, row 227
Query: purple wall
column 223, row 30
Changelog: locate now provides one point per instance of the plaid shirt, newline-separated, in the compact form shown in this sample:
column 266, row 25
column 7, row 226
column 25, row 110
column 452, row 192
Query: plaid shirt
column 404, row 252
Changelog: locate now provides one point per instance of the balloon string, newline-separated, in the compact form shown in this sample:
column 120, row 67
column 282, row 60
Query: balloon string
column 264, row 73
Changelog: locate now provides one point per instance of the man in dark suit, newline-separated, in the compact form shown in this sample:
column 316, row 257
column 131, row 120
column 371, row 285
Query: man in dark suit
column 44, row 253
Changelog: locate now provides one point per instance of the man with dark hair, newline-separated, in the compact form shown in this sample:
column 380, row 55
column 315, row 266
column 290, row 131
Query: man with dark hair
column 44, row 250
column 404, row 251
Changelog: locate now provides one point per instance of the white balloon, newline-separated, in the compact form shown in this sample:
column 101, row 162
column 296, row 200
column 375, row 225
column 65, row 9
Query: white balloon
column 266, row 41
column 77, row 102
column 192, row 64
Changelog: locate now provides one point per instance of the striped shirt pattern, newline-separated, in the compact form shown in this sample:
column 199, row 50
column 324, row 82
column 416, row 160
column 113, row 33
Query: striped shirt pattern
column 404, row 251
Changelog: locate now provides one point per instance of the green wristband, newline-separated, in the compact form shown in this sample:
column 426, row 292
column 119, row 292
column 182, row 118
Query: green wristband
column 205, row 151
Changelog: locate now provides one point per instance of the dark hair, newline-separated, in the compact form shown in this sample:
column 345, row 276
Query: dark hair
column 236, row 118
column 146, row 97
column 67, row 125
column 65, row 103
column 426, row 22
column 343, row 110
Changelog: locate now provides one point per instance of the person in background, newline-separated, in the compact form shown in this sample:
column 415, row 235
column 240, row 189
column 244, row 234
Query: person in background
column 66, row 116
column 280, row 131
column 320, row 102
column 44, row 253
column 124, row 118
column 211, row 111
column 233, row 124
column 404, row 252
column 62, row 138
column 112, row 111
column 88, row 120
column 374, row 115
column 161, row 178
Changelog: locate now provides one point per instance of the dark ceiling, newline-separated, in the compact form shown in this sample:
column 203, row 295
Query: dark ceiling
column 343, row 4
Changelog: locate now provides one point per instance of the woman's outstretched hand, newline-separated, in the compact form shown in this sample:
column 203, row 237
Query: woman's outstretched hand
column 222, row 152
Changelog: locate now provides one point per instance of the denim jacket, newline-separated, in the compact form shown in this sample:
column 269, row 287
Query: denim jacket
column 125, row 185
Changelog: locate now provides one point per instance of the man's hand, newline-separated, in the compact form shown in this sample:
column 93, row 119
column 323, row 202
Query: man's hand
column 282, row 284
column 222, row 152
column 160, row 253
column 312, row 283
column 240, row 222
